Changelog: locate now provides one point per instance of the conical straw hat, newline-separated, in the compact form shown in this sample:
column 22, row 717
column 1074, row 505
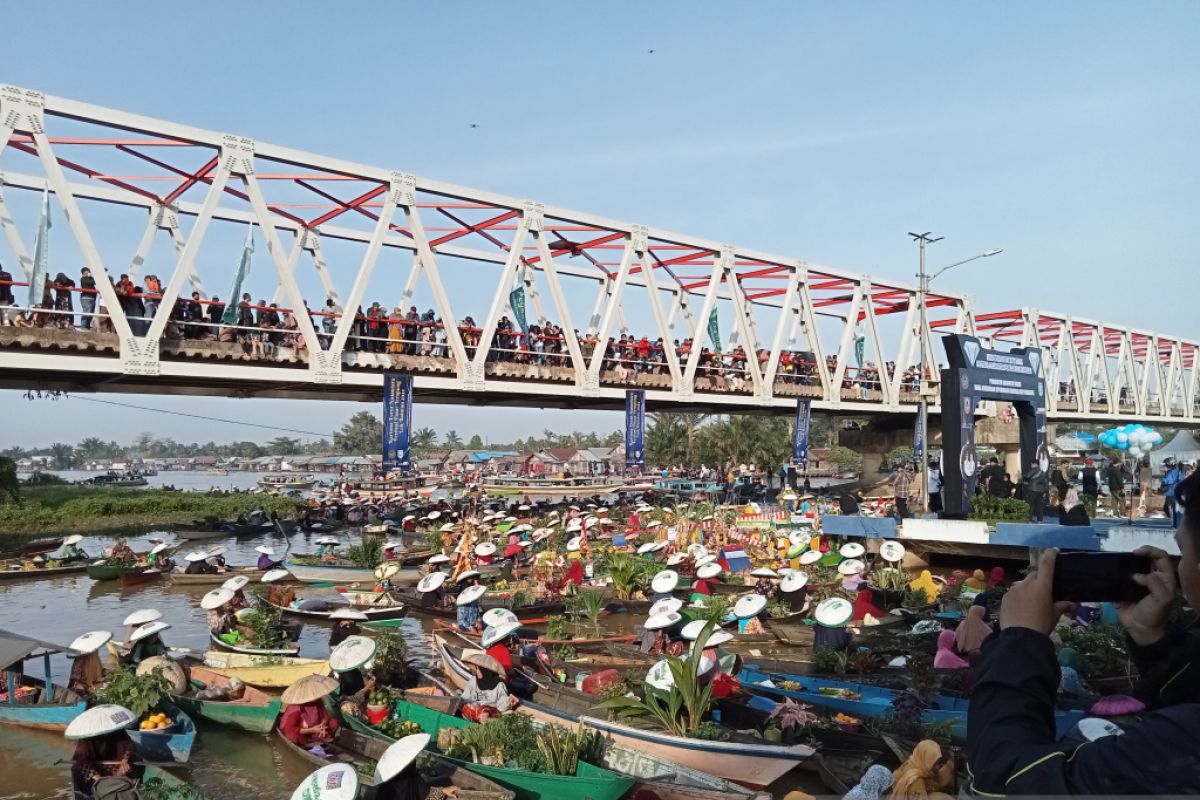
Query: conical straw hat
column 308, row 688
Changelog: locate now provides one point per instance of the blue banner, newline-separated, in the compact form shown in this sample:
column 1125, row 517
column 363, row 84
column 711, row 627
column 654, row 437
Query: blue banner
column 397, row 421
column 800, row 434
column 919, row 442
column 635, row 428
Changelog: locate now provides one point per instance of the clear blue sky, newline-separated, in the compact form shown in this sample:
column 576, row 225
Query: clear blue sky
column 1065, row 133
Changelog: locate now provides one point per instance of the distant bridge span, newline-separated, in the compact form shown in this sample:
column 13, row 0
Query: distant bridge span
column 785, row 328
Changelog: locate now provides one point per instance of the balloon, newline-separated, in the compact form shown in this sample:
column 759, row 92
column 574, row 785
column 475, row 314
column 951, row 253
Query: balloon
column 1157, row 438
column 1123, row 437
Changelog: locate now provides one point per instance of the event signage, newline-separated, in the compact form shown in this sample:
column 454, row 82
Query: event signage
column 635, row 428
column 800, row 432
column 397, row 421
column 982, row 373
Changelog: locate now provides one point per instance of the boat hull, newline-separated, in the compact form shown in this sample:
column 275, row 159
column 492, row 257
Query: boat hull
column 255, row 712
column 175, row 746
column 218, row 578
column 36, row 574
column 582, row 490
column 291, row 650
column 50, row 716
column 107, row 572
column 391, row 613
column 309, row 573
column 250, row 670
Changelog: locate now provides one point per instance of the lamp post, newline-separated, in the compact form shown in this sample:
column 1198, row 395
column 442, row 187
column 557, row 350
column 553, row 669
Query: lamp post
column 923, row 239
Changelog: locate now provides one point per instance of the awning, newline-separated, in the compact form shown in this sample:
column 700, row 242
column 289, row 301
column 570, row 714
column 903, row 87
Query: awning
column 14, row 647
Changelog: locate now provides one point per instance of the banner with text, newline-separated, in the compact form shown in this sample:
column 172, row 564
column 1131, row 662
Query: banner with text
column 635, row 428
column 800, row 434
column 397, row 421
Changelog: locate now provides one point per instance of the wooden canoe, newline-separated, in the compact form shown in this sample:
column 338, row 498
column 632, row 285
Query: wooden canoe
column 344, row 573
column 262, row 672
column 140, row 577
column 159, row 783
column 12, row 571
column 597, row 642
column 289, row 650
column 255, row 711
column 103, row 571
column 172, row 745
column 31, row 710
column 385, row 609
column 217, row 578
column 352, row 747
column 420, row 604
column 37, row 547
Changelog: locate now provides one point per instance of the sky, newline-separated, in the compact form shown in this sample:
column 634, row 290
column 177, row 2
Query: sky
column 1063, row 133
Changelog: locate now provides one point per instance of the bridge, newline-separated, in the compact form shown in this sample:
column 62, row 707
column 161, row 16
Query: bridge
column 524, row 303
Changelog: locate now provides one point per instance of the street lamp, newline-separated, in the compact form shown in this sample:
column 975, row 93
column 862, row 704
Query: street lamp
column 923, row 239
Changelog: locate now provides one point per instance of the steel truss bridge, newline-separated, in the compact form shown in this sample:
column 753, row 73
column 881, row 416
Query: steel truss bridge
column 794, row 329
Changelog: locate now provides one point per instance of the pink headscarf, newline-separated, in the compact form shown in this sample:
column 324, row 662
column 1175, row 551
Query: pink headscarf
column 946, row 658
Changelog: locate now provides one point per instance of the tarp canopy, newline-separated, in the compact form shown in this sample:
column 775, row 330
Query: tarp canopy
column 14, row 647
column 1182, row 448
column 733, row 559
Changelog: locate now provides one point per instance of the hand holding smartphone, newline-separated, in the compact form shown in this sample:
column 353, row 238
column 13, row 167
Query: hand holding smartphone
column 1099, row 577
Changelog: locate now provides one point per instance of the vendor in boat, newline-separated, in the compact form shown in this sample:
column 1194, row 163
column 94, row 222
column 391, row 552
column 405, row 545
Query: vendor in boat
column 219, row 605
column 155, row 558
column 498, row 641
column 396, row 774
column 197, row 564
column 266, row 559
column 390, row 550
column 305, row 719
column 747, row 609
column 70, row 549
column 485, row 695
column 663, row 629
column 469, row 614
column 431, row 590
column 104, row 750
column 485, row 552
column 793, row 591
column 122, row 553
column 865, row 607
column 348, row 661
column 663, row 584
column 327, row 548
column 765, row 585
column 146, row 642
column 280, row 594
column 345, row 624
column 707, row 575
column 87, row 673
column 237, row 584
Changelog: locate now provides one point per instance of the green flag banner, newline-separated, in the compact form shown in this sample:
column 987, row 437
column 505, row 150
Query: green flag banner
column 714, row 330
column 230, row 315
column 516, row 301
column 41, row 255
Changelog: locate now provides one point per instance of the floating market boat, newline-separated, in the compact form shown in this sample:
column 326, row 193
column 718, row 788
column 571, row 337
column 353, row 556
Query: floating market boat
column 590, row 782
column 296, row 482
column 798, row 631
column 571, row 487
column 262, row 672
column 362, row 751
column 173, row 744
column 376, row 606
column 31, row 706
column 14, row 570
column 254, row 574
column 36, row 547
column 598, row 641
column 869, row 702
column 289, row 650
column 199, row 531
column 751, row 762
column 141, row 576
column 155, row 779
column 423, row 604
column 254, row 711
column 103, row 571
column 345, row 573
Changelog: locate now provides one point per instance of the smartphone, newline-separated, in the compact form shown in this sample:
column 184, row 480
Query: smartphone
column 1099, row 577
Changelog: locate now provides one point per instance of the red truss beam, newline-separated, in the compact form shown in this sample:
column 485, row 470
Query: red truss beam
column 191, row 180
column 659, row 263
column 91, row 173
column 476, row 228
column 353, row 205
column 593, row 243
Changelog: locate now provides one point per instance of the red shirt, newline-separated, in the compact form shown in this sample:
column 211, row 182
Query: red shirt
column 500, row 652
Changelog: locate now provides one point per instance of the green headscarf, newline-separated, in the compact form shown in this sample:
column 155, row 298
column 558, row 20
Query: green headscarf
column 1067, row 657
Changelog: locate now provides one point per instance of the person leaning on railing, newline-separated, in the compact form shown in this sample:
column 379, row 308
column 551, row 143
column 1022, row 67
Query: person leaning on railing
column 1011, row 743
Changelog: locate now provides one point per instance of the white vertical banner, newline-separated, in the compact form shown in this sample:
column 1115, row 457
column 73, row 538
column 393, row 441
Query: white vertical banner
column 41, row 255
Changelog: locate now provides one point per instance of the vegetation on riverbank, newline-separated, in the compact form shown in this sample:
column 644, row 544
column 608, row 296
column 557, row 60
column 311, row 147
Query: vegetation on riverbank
column 43, row 510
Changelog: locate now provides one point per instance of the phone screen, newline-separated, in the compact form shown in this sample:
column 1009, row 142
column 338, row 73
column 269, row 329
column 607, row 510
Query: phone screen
column 1099, row 577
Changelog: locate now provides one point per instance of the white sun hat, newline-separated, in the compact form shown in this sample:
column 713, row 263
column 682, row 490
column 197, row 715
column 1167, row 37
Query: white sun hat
column 348, row 613
column 90, row 642
column 697, row 550
column 705, row 559
column 749, row 605
column 100, row 720
column 330, row 782
column 431, row 582
column 810, row 557
column 646, row 548
column 665, row 581
column 142, row 616
column 659, row 621
column 667, row 605
column 852, row 566
column 352, row 653
column 498, row 633
column 149, row 629
column 573, row 544
column 710, row 570
column 272, row 575
column 764, row 572
column 691, row 632
column 660, row 676
column 852, row 550
column 471, row 595
column 433, row 515
column 409, row 518
column 216, row 598
column 653, row 523
column 74, row 538
column 398, row 757
column 494, row 617
column 196, row 555
column 676, row 559
column 833, row 612
column 266, row 551
column 386, row 571
column 467, row 574
column 485, row 549
column 447, row 527
column 793, row 582
column 440, row 558
column 891, row 551
column 236, row 583
column 158, row 548
column 574, row 525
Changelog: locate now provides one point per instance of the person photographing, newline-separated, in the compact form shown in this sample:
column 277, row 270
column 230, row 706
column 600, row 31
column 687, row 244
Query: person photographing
column 1011, row 744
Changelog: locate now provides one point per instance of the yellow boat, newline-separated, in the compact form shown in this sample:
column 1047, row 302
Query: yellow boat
column 264, row 672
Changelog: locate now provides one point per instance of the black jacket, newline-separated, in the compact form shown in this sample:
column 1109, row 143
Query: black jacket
column 1010, row 725
column 1076, row 516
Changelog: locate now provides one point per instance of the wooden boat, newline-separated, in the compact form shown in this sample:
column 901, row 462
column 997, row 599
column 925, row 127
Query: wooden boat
column 171, row 745
column 352, row 747
column 422, row 604
column 798, row 631
column 255, row 711
column 347, row 573
column 29, row 549
column 548, row 488
column 200, row 531
column 290, row 650
column 753, row 763
column 259, row 671
column 103, row 571
column 874, row 701
column 141, row 576
column 218, row 578
column 13, row 570
column 590, row 782
column 157, row 780
column 36, row 710
column 297, row 482
column 385, row 609
column 597, row 642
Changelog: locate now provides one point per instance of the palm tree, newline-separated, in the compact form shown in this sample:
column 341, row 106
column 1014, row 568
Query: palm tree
column 91, row 449
column 63, row 455
column 423, row 440
column 453, row 440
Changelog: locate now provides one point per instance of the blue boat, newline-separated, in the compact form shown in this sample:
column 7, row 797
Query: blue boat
column 875, row 701
column 171, row 745
column 32, row 705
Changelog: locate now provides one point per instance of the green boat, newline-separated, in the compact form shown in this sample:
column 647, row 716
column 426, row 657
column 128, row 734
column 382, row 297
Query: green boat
column 588, row 783
column 103, row 571
column 255, row 711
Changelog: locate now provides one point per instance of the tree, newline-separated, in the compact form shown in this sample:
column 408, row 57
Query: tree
column 10, row 487
column 423, row 440
column 845, row 458
column 362, row 435
column 318, row 447
column 90, row 449
column 245, row 450
column 476, row 443
column 63, row 455
column 283, row 446
column 666, row 440
column 453, row 440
